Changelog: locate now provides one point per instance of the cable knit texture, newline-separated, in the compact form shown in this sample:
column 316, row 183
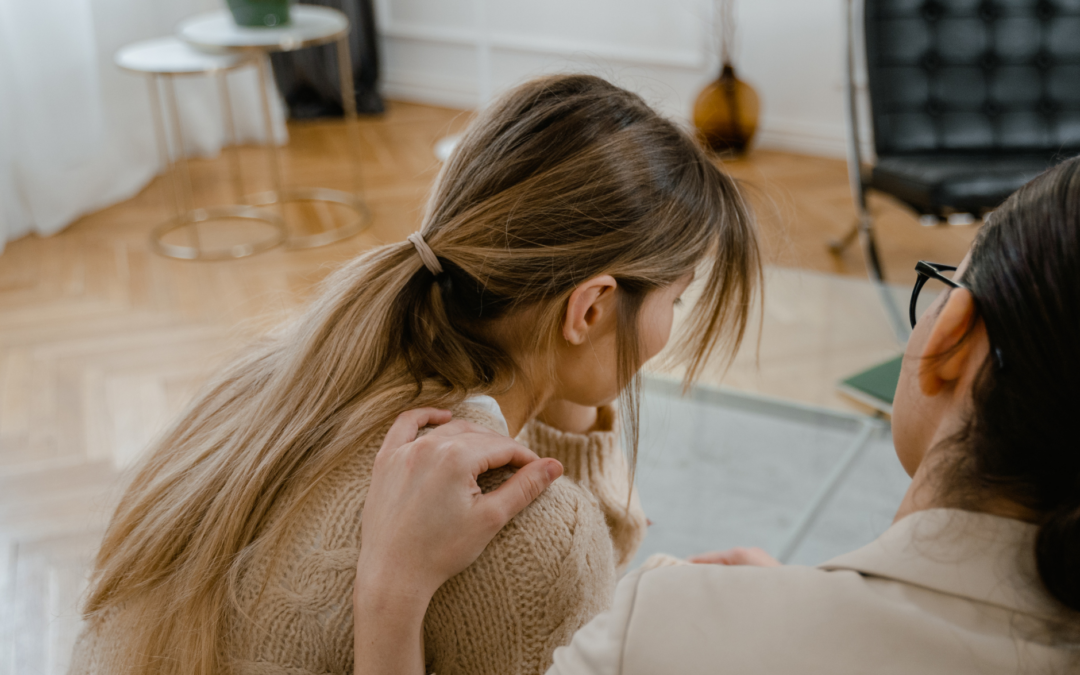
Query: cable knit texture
column 547, row 573
column 595, row 460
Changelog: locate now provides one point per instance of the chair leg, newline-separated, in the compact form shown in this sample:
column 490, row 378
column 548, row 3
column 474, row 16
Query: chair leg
column 840, row 244
column 865, row 229
column 873, row 267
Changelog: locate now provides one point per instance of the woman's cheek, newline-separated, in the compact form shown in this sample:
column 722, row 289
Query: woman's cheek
column 658, row 334
column 594, row 379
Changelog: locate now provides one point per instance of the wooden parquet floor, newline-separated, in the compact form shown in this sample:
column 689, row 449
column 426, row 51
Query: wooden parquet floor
column 102, row 341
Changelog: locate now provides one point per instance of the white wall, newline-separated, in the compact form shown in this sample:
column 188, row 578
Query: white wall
column 790, row 50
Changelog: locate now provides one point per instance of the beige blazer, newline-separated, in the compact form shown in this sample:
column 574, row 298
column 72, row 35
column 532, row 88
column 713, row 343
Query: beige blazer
column 941, row 591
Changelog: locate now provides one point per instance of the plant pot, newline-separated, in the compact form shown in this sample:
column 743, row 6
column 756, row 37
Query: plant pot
column 726, row 114
column 260, row 13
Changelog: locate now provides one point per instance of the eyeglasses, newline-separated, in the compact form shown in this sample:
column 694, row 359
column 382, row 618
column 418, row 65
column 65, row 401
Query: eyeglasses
column 929, row 270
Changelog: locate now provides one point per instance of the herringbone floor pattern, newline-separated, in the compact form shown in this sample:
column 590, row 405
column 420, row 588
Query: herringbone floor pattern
column 102, row 341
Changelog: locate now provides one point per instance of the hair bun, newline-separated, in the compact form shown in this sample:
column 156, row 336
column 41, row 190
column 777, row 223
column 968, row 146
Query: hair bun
column 1057, row 553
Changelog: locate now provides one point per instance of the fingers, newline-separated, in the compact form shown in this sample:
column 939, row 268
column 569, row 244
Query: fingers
column 736, row 556
column 521, row 490
column 756, row 556
column 409, row 423
column 710, row 558
column 492, row 452
column 459, row 426
column 479, row 451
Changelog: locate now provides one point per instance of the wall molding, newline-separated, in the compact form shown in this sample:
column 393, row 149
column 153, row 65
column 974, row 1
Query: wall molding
column 419, row 87
column 823, row 140
column 532, row 44
column 410, row 80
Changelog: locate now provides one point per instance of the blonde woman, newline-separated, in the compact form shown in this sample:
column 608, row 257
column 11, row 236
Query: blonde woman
column 556, row 243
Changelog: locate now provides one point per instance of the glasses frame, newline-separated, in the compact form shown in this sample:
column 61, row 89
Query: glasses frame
column 929, row 270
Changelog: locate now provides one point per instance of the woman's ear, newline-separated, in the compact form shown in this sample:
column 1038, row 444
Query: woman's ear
column 591, row 304
column 947, row 356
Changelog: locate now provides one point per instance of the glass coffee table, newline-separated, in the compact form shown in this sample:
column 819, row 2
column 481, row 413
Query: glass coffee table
column 721, row 468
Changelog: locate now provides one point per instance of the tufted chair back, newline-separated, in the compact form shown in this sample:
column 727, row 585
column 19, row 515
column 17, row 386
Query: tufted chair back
column 974, row 75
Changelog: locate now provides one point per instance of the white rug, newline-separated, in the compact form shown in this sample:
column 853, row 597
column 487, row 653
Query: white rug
column 721, row 469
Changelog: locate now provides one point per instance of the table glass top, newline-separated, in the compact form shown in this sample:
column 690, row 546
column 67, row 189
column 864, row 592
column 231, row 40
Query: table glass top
column 308, row 25
column 171, row 56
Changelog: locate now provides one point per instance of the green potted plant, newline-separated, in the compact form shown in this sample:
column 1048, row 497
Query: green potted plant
column 260, row 13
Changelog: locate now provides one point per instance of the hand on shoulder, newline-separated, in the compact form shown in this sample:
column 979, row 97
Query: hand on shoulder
column 426, row 518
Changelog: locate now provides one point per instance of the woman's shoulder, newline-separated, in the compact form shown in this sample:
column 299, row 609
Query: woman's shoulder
column 329, row 516
column 793, row 619
column 563, row 514
column 697, row 617
column 544, row 575
column 745, row 586
column 343, row 490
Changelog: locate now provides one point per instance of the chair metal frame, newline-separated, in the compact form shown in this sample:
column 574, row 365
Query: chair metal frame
column 1057, row 136
column 863, row 227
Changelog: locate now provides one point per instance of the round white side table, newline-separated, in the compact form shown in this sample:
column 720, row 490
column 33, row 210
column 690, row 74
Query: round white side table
column 308, row 26
column 162, row 60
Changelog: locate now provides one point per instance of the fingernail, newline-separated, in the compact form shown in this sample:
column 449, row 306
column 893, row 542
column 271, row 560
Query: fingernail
column 554, row 470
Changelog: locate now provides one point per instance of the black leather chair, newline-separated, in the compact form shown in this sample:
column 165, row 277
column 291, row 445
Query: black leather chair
column 969, row 100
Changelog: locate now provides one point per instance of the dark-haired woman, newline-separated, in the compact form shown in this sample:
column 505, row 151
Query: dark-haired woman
column 980, row 572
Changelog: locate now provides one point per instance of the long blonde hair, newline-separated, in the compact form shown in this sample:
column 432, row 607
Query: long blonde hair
column 565, row 178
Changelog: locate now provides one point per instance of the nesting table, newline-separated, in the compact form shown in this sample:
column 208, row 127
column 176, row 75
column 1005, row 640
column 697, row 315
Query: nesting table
column 162, row 60
column 213, row 44
column 308, row 26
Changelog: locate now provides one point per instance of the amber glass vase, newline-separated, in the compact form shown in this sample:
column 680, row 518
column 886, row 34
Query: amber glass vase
column 726, row 114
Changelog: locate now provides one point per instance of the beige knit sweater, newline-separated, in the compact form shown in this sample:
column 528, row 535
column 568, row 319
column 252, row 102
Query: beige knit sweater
column 544, row 576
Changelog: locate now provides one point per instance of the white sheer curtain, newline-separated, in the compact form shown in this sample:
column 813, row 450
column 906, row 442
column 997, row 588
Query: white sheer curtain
column 76, row 133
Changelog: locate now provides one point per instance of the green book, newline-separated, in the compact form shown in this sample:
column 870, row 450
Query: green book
column 875, row 386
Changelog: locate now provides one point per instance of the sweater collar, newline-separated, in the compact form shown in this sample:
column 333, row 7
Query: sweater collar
column 489, row 407
column 985, row 558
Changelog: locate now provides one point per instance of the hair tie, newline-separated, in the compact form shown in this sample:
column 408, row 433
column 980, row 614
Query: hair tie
column 427, row 256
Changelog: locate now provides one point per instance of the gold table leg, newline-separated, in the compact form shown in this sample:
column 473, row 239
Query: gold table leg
column 178, row 178
column 281, row 195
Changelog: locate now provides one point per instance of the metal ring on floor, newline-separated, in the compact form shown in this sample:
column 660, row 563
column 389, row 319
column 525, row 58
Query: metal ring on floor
column 197, row 216
column 350, row 201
